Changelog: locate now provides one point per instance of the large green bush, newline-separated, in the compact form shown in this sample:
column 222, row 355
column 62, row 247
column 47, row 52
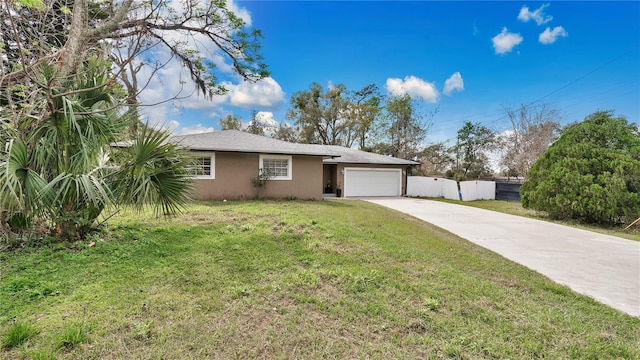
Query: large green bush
column 591, row 173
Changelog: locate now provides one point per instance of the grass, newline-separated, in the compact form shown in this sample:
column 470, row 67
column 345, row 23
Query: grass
column 515, row 208
column 281, row 280
column 18, row 333
column 72, row 336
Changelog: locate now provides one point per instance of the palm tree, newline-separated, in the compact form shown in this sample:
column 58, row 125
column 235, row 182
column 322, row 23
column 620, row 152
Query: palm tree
column 58, row 167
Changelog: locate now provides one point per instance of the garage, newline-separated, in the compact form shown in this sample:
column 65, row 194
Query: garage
column 372, row 182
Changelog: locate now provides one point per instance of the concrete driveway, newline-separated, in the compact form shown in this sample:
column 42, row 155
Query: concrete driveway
column 606, row 268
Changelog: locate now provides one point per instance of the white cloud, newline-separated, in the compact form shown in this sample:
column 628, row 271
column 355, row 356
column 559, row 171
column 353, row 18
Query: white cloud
column 196, row 129
column 537, row 15
column 240, row 12
column 505, row 41
column 265, row 93
column 414, row 87
column 453, row 83
column 171, row 125
column 156, row 96
column 549, row 36
column 266, row 119
column 219, row 61
column 155, row 116
column 171, row 88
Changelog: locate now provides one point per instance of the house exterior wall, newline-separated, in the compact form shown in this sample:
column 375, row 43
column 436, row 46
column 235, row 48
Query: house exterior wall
column 340, row 172
column 233, row 173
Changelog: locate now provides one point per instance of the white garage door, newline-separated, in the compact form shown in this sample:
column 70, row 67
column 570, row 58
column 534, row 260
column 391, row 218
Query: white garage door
column 372, row 182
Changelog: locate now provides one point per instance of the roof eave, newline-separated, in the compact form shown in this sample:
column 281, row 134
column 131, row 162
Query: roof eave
column 412, row 163
column 263, row 151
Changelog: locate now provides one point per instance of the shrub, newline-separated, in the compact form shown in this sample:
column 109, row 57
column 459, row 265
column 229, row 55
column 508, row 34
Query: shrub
column 591, row 173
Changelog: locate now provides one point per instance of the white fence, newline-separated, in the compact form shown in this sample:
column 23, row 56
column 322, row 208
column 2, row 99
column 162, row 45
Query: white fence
column 450, row 189
column 424, row 186
column 478, row 190
column 439, row 187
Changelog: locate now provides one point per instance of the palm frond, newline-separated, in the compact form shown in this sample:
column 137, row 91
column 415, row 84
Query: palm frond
column 154, row 172
column 20, row 186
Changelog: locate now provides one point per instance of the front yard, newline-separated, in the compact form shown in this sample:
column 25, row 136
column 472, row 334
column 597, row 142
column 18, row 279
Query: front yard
column 291, row 279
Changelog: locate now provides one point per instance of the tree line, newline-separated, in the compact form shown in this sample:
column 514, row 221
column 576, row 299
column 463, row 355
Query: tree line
column 399, row 126
column 587, row 171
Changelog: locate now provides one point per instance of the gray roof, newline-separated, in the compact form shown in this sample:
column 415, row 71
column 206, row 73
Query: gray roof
column 353, row 156
column 239, row 141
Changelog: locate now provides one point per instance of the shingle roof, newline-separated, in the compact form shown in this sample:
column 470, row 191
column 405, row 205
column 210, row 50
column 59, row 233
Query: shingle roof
column 348, row 155
column 239, row 141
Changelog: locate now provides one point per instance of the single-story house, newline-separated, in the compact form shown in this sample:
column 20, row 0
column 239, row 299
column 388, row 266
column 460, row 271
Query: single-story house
column 227, row 160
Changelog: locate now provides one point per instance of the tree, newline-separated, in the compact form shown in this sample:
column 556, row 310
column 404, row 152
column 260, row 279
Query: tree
column 534, row 128
column 404, row 128
column 255, row 126
column 336, row 116
column 363, row 111
column 230, row 122
column 59, row 35
column 57, row 168
column 70, row 75
column 436, row 159
column 591, row 173
column 473, row 141
column 320, row 115
column 286, row 132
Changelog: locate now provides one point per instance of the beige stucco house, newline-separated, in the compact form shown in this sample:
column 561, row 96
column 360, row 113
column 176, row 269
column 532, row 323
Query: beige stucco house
column 227, row 160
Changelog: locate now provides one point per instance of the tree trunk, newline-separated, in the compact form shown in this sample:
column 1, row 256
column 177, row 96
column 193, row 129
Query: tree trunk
column 72, row 53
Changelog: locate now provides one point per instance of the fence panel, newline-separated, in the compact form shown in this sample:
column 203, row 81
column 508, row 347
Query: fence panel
column 478, row 190
column 486, row 190
column 438, row 187
column 450, row 189
column 468, row 190
column 424, row 186
column 508, row 191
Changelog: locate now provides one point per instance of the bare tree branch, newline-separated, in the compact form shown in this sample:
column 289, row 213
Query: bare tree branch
column 66, row 37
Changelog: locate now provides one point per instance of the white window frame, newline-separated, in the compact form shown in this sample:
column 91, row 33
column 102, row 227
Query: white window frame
column 197, row 155
column 289, row 159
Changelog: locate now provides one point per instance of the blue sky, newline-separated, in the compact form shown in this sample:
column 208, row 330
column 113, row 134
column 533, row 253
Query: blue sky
column 578, row 57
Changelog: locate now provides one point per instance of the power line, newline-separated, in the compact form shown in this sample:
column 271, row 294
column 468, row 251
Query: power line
column 587, row 74
column 607, row 63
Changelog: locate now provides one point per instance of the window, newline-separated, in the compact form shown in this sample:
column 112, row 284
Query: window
column 203, row 167
column 277, row 165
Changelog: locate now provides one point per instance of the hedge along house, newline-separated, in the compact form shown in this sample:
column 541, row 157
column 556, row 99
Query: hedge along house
column 361, row 173
column 226, row 161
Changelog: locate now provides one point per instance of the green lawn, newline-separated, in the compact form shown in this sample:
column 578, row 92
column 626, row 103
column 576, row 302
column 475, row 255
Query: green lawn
column 292, row 280
column 515, row 208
